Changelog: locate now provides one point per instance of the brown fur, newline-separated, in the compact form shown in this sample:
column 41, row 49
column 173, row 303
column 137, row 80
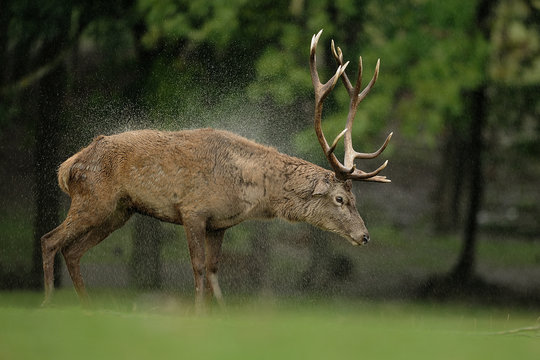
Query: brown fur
column 208, row 180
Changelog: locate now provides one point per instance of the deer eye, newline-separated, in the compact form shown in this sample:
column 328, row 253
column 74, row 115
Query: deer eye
column 339, row 200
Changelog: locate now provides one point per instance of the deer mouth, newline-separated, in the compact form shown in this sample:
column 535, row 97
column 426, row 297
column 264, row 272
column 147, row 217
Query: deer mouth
column 355, row 242
column 363, row 240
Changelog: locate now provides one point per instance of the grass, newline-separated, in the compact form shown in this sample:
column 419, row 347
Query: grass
column 124, row 328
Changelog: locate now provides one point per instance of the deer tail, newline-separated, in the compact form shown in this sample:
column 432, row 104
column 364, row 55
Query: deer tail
column 85, row 156
column 64, row 173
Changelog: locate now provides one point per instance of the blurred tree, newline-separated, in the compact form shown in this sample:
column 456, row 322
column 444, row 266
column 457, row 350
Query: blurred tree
column 145, row 265
column 513, row 28
column 38, row 35
column 445, row 67
column 5, row 15
column 515, row 73
column 515, row 38
column 35, row 45
column 477, row 103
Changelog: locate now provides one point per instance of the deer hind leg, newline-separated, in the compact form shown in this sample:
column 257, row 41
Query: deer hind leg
column 81, row 218
column 74, row 251
column 50, row 243
column 214, row 240
column 196, row 232
column 53, row 241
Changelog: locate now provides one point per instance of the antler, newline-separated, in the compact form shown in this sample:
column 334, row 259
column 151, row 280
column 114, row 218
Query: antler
column 347, row 170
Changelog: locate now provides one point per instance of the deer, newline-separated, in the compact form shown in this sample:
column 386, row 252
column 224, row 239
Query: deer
column 208, row 180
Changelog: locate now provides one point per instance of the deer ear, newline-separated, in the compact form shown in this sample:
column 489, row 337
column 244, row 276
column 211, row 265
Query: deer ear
column 348, row 185
column 322, row 187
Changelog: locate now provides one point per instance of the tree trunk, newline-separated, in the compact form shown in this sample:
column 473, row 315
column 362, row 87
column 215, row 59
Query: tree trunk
column 5, row 13
column 315, row 278
column 448, row 195
column 50, row 93
column 476, row 102
column 464, row 269
column 145, row 264
column 261, row 252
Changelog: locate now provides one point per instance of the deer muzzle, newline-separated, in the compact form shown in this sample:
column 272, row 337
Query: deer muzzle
column 360, row 238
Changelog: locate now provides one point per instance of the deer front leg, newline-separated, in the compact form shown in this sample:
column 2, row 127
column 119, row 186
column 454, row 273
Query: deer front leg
column 214, row 240
column 196, row 233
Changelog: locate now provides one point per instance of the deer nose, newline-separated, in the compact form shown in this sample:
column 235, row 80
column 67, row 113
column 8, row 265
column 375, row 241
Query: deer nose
column 365, row 239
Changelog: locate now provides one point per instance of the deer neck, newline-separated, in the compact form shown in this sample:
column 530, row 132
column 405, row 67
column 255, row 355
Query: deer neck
column 291, row 188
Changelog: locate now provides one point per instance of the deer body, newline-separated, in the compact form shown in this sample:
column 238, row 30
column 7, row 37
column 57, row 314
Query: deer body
column 206, row 180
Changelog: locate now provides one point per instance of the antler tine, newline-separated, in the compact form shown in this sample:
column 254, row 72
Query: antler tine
column 312, row 57
column 372, row 155
column 382, row 179
column 338, row 55
column 366, row 91
column 358, row 85
column 361, row 175
column 336, row 140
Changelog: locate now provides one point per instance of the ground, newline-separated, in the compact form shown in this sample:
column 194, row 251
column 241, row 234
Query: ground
column 123, row 325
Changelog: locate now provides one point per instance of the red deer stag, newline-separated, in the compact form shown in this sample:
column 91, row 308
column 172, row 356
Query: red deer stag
column 207, row 180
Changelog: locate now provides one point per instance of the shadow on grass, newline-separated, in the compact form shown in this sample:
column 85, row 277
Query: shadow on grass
column 445, row 288
column 18, row 278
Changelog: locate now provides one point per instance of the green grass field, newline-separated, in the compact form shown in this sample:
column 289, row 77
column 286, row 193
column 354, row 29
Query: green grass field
column 125, row 326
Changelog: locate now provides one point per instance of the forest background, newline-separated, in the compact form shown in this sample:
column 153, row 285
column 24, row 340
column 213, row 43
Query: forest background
column 459, row 86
